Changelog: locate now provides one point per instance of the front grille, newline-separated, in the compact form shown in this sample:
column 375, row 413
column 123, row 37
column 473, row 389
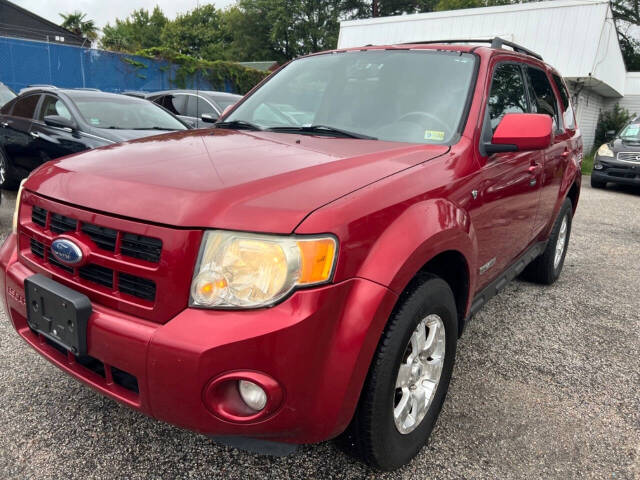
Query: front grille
column 103, row 237
column 62, row 224
column 54, row 261
column 144, row 248
column 97, row 274
column 132, row 245
column 37, row 248
column 138, row 268
column 631, row 157
column 137, row 286
column 39, row 216
column 128, row 284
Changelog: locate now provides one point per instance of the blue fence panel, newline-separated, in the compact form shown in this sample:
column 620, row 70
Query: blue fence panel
column 25, row 62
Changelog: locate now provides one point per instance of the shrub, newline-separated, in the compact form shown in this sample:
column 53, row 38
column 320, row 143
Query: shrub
column 613, row 119
column 216, row 72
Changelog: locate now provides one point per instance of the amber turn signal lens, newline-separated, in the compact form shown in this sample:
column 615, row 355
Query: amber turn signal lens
column 316, row 257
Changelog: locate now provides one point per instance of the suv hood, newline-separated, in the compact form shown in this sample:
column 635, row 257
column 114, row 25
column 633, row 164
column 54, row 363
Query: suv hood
column 255, row 181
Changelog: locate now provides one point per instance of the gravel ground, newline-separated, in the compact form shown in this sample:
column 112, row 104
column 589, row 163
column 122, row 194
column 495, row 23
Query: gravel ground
column 546, row 385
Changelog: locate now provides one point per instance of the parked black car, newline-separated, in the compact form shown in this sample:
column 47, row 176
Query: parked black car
column 6, row 94
column 199, row 108
column 46, row 123
column 618, row 161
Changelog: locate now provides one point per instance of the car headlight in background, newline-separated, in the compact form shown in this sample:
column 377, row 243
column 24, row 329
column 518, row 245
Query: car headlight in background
column 605, row 151
column 17, row 207
column 246, row 270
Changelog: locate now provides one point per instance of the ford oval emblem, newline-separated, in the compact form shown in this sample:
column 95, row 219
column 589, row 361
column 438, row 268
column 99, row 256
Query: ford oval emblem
column 66, row 251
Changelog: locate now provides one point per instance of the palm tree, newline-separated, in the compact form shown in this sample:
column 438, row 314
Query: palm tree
column 76, row 23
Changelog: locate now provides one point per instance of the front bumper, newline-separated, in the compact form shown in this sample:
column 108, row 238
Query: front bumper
column 615, row 171
column 317, row 346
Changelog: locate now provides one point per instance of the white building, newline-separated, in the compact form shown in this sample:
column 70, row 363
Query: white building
column 577, row 37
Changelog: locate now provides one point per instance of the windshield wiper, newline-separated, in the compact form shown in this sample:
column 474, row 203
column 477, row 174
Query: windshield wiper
column 323, row 129
column 237, row 125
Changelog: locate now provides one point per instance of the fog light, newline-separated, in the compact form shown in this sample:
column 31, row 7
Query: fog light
column 598, row 166
column 252, row 394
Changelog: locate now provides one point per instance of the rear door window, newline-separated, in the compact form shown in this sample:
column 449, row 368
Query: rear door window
column 176, row 104
column 543, row 100
column 508, row 94
column 53, row 106
column 25, row 107
column 196, row 106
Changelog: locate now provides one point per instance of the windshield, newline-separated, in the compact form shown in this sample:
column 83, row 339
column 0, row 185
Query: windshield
column 395, row 95
column 125, row 114
column 5, row 95
column 631, row 132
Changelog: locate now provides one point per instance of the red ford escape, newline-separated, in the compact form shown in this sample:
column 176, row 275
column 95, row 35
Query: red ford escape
column 305, row 268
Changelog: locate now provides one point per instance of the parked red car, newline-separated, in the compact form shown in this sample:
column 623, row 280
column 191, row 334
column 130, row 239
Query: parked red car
column 306, row 267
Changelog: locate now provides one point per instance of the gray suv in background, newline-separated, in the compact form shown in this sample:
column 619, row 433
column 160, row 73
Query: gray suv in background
column 198, row 108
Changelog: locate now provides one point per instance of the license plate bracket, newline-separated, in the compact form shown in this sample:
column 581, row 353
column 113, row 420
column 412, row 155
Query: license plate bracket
column 58, row 312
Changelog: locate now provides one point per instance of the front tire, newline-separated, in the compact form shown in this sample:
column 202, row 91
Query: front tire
column 547, row 267
column 408, row 378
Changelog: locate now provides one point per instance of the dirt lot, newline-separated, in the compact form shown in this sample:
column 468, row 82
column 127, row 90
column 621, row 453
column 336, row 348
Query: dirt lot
column 546, row 385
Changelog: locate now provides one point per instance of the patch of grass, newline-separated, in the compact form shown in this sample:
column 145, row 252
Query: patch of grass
column 587, row 163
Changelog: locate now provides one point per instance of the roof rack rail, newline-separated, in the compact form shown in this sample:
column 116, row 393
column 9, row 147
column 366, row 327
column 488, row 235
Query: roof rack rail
column 41, row 85
column 87, row 89
column 495, row 42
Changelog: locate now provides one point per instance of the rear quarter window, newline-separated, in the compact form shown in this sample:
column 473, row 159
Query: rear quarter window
column 567, row 115
column 25, row 107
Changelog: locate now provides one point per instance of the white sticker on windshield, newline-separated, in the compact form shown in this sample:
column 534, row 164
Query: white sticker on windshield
column 94, row 121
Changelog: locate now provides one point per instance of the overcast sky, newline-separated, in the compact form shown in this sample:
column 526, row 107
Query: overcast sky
column 103, row 11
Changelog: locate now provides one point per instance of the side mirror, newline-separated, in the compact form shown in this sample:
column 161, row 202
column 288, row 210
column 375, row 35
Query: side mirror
column 610, row 134
column 521, row 132
column 60, row 122
column 209, row 118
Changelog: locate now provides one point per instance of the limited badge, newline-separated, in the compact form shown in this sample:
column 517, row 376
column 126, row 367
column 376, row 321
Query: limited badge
column 434, row 135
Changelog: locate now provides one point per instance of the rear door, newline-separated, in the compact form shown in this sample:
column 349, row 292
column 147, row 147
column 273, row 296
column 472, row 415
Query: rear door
column 555, row 158
column 196, row 106
column 508, row 193
column 53, row 142
column 18, row 141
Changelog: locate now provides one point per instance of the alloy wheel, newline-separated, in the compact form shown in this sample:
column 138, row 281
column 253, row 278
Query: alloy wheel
column 561, row 242
column 419, row 374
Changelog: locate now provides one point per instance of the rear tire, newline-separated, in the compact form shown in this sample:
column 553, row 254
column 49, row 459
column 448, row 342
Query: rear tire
column 387, row 433
column 9, row 180
column 597, row 183
column 547, row 267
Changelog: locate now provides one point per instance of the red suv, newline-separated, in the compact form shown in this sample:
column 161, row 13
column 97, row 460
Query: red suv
column 306, row 267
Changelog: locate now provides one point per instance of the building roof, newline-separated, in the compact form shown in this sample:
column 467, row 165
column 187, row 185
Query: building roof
column 21, row 23
column 577, row 37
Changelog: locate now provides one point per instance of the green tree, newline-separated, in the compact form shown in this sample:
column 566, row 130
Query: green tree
column 77, row 23
column 197, row 33
column 138, row 31
column 611, row 120
column 626, row 14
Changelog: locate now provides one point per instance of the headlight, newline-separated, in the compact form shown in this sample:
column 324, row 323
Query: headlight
column 17, row 207
column 245, row 270
column 605, row 151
